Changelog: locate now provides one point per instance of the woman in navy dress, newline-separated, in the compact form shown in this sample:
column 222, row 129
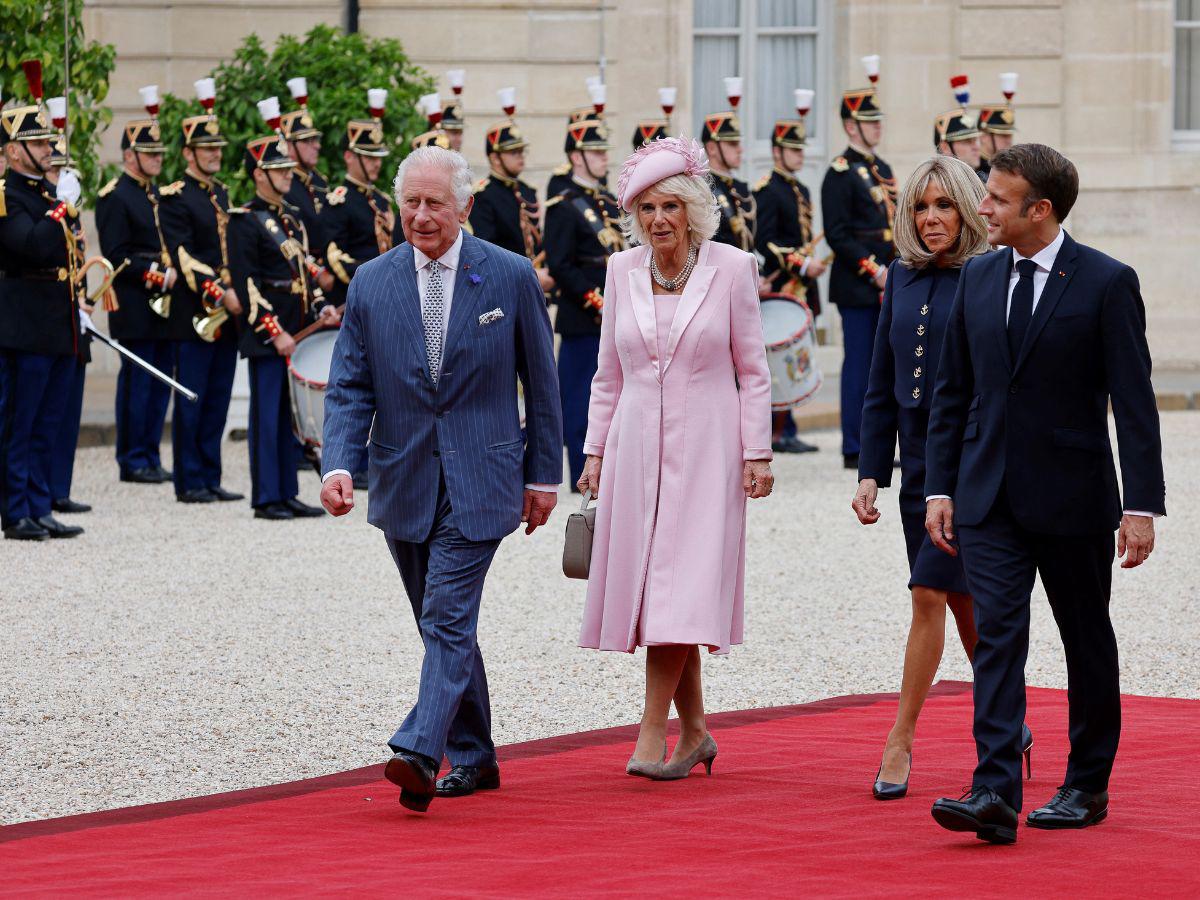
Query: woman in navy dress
column 937, row 230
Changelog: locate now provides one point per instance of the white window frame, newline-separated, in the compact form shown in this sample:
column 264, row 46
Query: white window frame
column 756, row 157
column 1182, row 138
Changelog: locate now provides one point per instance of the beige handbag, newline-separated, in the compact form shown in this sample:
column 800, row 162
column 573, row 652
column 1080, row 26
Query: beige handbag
column 577, row 552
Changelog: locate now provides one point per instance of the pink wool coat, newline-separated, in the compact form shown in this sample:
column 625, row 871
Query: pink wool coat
column 668, row 555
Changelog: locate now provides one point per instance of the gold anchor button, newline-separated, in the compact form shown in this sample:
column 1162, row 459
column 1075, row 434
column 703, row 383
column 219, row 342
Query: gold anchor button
column 925, row 310
column 917, row 372
column 920, row 330
column 916, row 393
column 920, row 351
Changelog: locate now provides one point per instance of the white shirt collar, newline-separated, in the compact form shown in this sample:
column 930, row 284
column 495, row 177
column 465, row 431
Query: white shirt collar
column 1044, row 258
column 449, row 259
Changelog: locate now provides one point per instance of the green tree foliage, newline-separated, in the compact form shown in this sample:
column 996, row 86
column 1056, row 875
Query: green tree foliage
column 33, row 29
column 339, row 68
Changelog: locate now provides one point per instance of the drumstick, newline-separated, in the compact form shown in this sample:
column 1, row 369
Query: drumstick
column 312, row 328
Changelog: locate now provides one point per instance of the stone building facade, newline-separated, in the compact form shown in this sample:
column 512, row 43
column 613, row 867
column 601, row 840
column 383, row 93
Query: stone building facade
column 1115, row 84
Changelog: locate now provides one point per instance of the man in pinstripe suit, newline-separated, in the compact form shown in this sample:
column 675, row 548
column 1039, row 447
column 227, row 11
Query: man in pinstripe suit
column 435, row 334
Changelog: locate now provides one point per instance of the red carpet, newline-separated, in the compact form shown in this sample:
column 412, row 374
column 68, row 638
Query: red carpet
column 788, row 811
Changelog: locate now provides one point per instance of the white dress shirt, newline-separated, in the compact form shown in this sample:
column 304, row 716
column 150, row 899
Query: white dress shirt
column 449, row 262
column 1044, row 260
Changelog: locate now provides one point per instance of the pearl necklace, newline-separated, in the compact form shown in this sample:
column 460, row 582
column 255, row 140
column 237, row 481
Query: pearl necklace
column 674, row 284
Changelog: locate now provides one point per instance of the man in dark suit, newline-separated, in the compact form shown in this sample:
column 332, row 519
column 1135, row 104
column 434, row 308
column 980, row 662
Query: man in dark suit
column 436, row 334
column 1042, row 337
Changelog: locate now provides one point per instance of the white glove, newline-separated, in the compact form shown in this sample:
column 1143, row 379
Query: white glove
column 85, row 320
column 69, row 188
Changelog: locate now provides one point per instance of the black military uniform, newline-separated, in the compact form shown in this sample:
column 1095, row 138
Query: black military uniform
column 195, row 219
column 39, row 331
column 582, row 232
column 784, row 238
column 358, row 222
column 648, row 131
column 733, row 195
column 858, row 204
column 310, row 188
column 267, row 249
column 506, row 211
column 148, row 323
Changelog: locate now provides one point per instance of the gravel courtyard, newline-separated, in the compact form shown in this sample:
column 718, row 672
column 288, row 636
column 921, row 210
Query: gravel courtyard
column 173, row 651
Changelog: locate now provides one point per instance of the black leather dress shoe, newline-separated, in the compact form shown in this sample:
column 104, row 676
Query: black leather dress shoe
column 416, row 776
column 463, row 780
column 792, row 444
column 67, row 505
column 57, row 529
column 225, row 496
column 197, row 495
column 980, row 810
column 303, row 510
column 163, row 474
column 142, row 476
column 275, row 511
column 26, row 530
column 1070, row 808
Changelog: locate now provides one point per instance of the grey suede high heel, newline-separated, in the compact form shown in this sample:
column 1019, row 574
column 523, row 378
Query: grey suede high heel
column 646, row 769
column 705, row 753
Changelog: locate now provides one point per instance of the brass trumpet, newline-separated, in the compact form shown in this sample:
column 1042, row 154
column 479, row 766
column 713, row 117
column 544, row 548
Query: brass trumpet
column 208, row 326
column 161, row 304
column 105, row 293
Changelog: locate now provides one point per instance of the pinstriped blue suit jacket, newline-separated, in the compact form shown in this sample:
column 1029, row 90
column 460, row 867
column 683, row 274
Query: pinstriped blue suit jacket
column 467, row 425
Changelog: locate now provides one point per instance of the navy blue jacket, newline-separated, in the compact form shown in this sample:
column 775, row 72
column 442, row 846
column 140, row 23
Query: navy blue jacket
column 1039, row 424
column 908, row 345
column 467, row 425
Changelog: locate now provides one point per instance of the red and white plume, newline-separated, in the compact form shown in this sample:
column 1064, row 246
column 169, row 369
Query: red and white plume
column 508, row 100
column 733, row 90
column 804, row 99
column 298, row 88
column 456, row 78
column 269, row 110
column 1008, row 85
column 870, row 65
column 206, row 93
column 376, row 102
column 149, row 95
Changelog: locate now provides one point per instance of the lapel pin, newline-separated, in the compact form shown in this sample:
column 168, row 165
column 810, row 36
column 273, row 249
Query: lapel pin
column 475, row 279
column 1062, row 274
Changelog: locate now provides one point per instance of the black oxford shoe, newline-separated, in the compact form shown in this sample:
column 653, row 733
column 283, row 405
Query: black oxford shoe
column 303, row 510
column 275, row 511
column 225, row 496
column 163, row 474
column 464, row 780
column 148, row 475
column 57, row 529
column 26, row 530
column 416, row 776
column 792, row 444
column 67, row 505
column 1070, row 808
column 980, row 810
column 196, row 495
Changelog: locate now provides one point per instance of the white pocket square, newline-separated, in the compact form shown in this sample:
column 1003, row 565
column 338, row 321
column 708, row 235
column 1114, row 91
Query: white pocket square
column 489, row 317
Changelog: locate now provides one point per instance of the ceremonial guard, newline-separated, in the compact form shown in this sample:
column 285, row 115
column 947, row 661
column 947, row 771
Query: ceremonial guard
column 267, row 257
column 127, row 217
column 582, row 232
column 195, row 218
column 561, row 175
column 647, row 131
column 62, row 455
column 858, row 205
column 358, row 220
column 39, row 319
column 997, row 124
column 955, row 133
column 310, row 188
column 786, row 241
column 722, row 139
column 506, row 210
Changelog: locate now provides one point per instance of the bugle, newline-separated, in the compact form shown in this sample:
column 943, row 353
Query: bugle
column 105, row 292
column 141, row 363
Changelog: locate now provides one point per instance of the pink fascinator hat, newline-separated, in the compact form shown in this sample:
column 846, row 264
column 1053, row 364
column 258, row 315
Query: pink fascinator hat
column 658, row 160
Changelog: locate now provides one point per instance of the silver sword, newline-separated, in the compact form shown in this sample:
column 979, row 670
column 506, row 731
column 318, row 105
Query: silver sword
column 138, row 361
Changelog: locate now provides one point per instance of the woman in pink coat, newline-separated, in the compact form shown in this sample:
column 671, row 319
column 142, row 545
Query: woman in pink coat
column 679, row 435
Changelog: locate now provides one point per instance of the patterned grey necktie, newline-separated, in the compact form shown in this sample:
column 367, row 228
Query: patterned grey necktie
column 432, row 306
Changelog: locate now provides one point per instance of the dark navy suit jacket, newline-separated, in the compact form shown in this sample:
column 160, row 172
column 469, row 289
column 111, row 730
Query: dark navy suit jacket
column 1039, row 424
column 467, row 426
column 908, row 344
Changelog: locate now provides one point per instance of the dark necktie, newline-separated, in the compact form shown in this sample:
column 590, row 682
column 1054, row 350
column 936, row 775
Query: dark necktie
column 1020, row 310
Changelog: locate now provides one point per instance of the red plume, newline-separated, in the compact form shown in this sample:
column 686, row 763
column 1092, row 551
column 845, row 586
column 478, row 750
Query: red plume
column 33, row 75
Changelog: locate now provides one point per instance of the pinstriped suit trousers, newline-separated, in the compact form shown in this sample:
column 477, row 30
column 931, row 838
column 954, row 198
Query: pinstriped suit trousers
column 443, row 577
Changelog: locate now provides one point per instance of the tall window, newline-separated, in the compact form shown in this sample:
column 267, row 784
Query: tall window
column 772, row 45
column 1187, row 65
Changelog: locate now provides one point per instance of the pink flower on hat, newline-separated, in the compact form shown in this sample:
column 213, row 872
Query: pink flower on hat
column 658, row 160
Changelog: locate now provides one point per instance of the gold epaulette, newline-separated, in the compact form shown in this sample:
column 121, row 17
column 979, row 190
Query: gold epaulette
column 170, row 190
column 839, row 164
column 762, row 182
column 337, row 196
column 557, row 198
column 481, row 184
column 237, row 210
column 108, row 188
column 564, row 169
